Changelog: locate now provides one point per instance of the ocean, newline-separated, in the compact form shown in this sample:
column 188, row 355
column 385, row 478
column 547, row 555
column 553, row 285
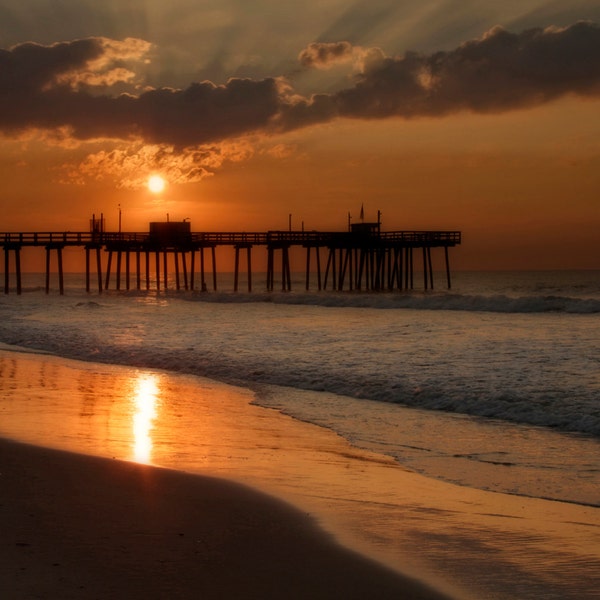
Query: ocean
column 503, row 371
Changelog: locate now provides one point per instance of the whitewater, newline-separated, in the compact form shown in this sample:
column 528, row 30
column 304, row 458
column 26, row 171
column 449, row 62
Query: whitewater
column 502, row 372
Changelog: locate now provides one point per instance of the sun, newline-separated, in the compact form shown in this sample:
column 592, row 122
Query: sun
column 156, row 184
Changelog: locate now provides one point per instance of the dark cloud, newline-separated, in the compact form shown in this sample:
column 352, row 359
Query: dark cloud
column 205, row 112
column 499, row 72
column 32, row 67
column 66, row 86
column 323, row 55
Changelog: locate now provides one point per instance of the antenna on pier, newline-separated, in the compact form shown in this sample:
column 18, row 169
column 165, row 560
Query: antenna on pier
column 97, row 225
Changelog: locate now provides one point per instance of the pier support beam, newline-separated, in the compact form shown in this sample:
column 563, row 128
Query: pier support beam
column 185, row 271
column 248, row 248
column 408, row 268
column 286, row 279
column 345, row 267
column 202, row 270
column 98, row 249
column 127, row 269
column 99, row 268
column 61, row 283
column 430, row 266
column 119, row 248
column 147, row 265
column 425, row 268
column 165, row 271
column 447, row 267
column 214, row 267
column 178, row 273
column 360, row 268
column 331, row 266
column 108, row 266
column 157, row 269
column 119, row 259
column 400, row 268
column 138, row 275
column 16, row 248
column 176, row 261
column 318, row 265
column 270, row 274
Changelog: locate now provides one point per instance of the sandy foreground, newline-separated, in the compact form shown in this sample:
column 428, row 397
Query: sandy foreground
column 76, row 526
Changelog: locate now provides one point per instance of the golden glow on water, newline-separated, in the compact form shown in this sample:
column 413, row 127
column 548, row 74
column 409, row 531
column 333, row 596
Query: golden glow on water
column 145, row 401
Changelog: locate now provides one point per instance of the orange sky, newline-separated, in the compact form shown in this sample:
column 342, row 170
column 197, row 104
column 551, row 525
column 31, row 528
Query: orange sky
column 507, row 152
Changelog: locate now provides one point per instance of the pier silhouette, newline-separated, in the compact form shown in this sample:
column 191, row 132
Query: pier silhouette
column 362, row 258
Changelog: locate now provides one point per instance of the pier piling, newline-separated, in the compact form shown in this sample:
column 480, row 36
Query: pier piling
column 59, row 249
column 16, row 250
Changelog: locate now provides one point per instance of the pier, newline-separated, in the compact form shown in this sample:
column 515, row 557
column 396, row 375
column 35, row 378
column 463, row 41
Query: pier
column 363, row 258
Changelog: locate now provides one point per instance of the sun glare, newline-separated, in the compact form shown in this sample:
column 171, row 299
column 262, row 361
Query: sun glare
column 145, row 401
column 156, row 184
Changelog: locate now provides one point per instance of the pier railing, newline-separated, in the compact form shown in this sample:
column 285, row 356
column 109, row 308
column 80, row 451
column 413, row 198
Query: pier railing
column 79, row 238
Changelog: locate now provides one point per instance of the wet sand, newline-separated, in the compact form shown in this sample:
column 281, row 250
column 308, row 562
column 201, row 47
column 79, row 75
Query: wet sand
column 75, row 526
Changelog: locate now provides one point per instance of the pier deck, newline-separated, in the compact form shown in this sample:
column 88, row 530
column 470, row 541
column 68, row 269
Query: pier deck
column 364, row 259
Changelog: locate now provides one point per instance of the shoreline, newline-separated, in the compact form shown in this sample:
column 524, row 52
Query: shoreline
column 77, row 526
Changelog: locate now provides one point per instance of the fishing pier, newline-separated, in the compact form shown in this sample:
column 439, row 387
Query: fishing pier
column 362, row 258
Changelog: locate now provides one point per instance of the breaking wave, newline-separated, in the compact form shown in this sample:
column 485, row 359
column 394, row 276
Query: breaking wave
column 416, row 301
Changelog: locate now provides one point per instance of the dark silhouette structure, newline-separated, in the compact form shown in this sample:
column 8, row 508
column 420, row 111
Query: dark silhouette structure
column 362, row 258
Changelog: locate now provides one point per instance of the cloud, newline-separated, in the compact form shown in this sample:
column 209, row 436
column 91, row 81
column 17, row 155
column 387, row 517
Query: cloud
column 322, row 55
column 110, row 66
column 78, row 87
column 36, row 69
column 325, row 55
column 282, row 151
column 205, row 112
column 131, row 165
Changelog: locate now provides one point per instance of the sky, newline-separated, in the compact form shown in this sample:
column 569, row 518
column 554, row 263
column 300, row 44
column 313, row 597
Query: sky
column 480, row 116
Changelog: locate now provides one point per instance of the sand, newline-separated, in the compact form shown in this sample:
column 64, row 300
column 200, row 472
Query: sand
column 82, row 527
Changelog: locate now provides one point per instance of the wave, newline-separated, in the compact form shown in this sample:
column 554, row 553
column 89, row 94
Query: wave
column 415, row 300
column 496, row 292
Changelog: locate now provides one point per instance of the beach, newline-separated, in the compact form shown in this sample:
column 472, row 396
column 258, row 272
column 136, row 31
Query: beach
column 83, row 527
column 109, row 521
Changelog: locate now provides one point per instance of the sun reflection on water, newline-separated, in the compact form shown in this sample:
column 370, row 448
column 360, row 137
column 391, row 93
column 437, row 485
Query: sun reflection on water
column 145, row 400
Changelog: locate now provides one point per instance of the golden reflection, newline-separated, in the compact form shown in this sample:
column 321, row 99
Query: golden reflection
column 145, row 399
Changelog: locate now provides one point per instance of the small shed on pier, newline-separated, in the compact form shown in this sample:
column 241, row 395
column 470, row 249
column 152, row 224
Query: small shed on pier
column 170, row 233
column 365, row 229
